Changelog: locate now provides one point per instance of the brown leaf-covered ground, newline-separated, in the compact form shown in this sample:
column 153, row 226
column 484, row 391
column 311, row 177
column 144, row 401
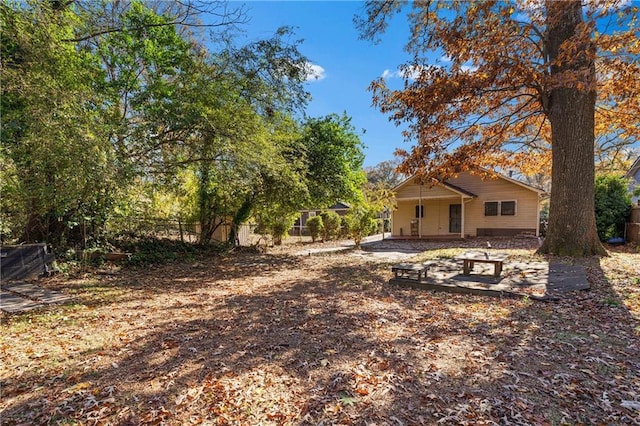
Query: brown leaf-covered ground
column 279, row 339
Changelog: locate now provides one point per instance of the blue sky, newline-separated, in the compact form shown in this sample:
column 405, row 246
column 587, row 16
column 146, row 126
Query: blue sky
column 347, row 64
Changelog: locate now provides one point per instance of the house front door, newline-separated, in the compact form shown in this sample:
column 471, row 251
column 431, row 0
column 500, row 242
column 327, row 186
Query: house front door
column 455, row 218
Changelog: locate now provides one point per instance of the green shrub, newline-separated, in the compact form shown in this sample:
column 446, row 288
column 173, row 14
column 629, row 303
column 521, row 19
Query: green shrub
column 331, row 223
column 344, row 228
column 613, row 206
column 279, row 231
column 315, row 227
column 146, row 251
column 362, row 222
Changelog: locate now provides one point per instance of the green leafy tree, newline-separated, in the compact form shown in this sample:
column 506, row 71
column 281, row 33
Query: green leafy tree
column 362, row 218
column 612, row 206
column 315, row 226
column 362, row 222
column 331, row 225
column 282, row 190
column 265, row 79
column 148, row 67
column 62, row 182
column 334, row 160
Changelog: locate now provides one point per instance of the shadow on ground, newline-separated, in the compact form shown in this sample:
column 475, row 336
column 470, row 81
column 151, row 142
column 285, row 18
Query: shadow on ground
column 281, row 340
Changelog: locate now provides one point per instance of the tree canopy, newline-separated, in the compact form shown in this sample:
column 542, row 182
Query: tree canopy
column 112, row 111
column 334, row 157
column 516, row 87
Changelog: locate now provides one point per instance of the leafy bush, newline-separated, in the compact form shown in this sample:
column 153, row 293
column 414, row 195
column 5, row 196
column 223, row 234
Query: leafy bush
column 613, row 206
column 315, row 227
column 331, row 223
column 344, row 228
column 147, row 251
column 276, row 225
column 362, row 222
column 544, row 220
column 279, row 231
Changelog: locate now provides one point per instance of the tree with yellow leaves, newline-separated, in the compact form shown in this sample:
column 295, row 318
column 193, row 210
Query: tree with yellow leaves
column 518, row 89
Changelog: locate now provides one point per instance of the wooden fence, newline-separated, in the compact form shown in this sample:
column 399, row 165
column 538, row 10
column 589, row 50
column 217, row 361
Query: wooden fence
column 181, row 230
column 632, row 229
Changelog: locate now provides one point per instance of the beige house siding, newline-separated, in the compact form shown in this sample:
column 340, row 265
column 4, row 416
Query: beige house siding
column 527, row 204
column 436, row 202
column 413, row 190
column 434, row 223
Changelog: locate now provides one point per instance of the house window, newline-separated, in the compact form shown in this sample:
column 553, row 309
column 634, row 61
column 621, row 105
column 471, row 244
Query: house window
column 419, row 211
column 508, row 208
column 502, row 208
column 491, row 208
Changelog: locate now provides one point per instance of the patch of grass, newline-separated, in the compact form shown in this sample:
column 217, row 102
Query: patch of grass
column 59, row 315
column 612, row 302
column 569, row 335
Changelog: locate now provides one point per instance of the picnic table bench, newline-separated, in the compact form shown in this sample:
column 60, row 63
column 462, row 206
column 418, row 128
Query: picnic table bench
column 412, row 271
column 471, row 257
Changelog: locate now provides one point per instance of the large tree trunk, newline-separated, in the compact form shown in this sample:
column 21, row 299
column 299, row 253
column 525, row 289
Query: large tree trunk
column 572, row 225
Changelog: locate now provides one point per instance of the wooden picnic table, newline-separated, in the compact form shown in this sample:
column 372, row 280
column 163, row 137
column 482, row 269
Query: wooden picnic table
column 411, row 271
column 471, row 257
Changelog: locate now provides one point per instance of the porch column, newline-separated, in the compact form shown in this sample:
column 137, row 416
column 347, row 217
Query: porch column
column 462, row 217
column 420, row 214
column 538, row 218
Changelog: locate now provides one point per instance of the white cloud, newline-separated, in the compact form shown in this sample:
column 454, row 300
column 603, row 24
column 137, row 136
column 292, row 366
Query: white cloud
column 412, row 72
column 409, row 73
column 387, row 74
column 314, row 72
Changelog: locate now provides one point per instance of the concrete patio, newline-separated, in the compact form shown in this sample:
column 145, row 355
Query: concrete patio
column 537, row 280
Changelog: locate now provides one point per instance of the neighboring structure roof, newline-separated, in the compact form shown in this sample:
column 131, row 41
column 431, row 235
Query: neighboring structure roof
column 337, row 206
column 634, row 169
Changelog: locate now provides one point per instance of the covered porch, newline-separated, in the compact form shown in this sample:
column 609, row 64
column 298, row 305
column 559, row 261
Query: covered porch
column 436, row 212
column 430, row 218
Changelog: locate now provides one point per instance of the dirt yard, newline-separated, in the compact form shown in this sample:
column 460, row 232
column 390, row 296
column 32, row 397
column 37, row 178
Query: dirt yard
column 285, row 339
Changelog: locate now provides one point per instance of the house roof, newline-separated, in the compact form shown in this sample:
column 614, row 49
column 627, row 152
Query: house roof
column 337, row 206
column 634, row 168
column 462, row 191
column 447, row 185
column 458, row 189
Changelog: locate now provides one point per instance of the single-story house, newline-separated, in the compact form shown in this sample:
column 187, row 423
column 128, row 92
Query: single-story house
column 300, row 225
column 634, row 180
column 466, row 206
